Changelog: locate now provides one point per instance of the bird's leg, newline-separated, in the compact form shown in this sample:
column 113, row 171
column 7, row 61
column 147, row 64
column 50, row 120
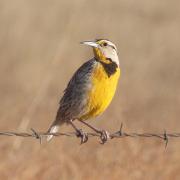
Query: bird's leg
column 80, row 133
column 104, row 135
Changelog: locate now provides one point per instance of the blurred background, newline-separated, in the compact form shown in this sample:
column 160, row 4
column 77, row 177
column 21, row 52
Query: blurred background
column 39, row 52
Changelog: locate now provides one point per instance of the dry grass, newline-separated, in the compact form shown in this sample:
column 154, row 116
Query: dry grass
column 39, row 51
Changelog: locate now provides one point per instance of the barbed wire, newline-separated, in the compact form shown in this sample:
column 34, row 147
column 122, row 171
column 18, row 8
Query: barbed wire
column 119, row 134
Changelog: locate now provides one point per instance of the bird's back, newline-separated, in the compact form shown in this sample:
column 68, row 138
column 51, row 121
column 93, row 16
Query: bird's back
column 74, row 101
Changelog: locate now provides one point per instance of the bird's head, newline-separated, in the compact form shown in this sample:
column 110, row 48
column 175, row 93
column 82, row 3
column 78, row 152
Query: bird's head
column 104, row 50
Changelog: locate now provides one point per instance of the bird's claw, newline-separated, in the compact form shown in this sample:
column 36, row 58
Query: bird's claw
column 83, row 135
column 104, row 136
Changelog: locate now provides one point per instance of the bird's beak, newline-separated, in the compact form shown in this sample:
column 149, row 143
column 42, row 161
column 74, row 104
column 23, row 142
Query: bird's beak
column 90, row 43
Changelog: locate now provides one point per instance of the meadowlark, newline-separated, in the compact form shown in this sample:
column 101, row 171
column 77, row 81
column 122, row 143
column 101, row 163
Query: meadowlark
column 90, row 90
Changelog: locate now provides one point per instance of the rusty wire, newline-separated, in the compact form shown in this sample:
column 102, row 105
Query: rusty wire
column 119, row 134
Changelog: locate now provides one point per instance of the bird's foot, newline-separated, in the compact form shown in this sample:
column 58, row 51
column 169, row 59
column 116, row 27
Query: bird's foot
column 83, row 135
column 104, row 136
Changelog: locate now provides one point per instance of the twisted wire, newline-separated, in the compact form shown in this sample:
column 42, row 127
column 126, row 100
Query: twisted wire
column 119, row 134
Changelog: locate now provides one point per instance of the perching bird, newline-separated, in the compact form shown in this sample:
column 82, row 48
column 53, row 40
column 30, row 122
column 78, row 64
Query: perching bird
column 90, row 90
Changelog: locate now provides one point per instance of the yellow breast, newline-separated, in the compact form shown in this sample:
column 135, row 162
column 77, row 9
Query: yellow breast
column 102, row 92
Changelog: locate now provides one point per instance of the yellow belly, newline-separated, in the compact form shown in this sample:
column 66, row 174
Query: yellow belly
column 102, row 92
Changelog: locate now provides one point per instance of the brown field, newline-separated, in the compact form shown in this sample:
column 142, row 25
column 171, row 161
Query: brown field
column 40, row 50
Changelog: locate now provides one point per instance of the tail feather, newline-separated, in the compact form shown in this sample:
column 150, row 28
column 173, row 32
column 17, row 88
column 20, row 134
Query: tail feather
column 53, row 129
column 55, row 125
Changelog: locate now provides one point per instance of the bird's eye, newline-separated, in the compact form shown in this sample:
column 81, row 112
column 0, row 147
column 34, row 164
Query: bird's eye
column 105, row 44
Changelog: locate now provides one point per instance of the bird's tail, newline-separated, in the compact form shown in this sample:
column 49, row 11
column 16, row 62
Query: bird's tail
column 53, row 129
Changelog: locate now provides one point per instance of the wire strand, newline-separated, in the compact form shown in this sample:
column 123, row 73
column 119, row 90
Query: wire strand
column 119, row 134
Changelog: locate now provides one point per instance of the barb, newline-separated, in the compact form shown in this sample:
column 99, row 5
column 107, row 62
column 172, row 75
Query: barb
column 119, row 134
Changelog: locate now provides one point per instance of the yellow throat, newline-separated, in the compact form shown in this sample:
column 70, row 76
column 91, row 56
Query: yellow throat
column 105, row 76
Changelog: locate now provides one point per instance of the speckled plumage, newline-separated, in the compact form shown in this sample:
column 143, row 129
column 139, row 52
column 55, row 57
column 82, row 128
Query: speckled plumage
column 73, row 104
